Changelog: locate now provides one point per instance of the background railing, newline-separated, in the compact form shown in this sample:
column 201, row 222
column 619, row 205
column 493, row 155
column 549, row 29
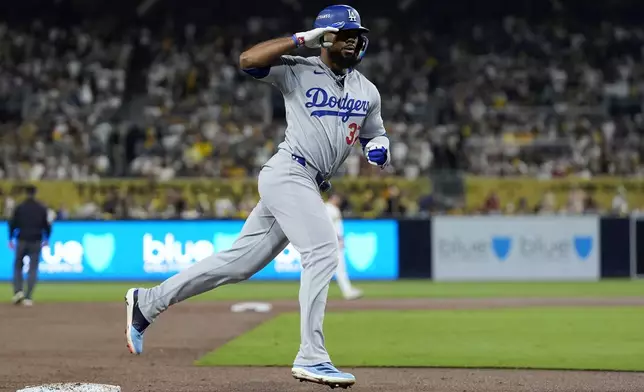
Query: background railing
column 443, row 192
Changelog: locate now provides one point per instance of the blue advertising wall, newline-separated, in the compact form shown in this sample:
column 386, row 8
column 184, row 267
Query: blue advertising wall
column 156, row 250
column 374, row 250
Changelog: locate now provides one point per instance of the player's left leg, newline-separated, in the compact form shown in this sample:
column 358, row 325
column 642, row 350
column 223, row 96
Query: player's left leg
column 260, row 240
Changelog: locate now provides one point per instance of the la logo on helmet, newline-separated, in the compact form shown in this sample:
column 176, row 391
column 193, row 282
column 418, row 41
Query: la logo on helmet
column 352, row 16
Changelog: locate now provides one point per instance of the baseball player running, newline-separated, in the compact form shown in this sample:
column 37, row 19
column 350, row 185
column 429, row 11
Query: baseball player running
column 333, row 209
column 329, row 107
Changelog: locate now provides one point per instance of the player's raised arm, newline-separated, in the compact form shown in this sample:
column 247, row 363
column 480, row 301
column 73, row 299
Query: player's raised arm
column 266, row 61
column 266, row 54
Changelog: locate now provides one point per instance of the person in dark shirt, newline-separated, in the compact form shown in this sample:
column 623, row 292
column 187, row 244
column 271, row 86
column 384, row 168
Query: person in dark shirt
column 176, row 204
column 29, row 231
column 111, row 204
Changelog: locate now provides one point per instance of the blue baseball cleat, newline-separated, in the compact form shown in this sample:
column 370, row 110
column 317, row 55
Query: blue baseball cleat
column 323, row 373
column 136, row 323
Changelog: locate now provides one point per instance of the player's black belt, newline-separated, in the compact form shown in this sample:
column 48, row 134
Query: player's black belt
column 323, row 184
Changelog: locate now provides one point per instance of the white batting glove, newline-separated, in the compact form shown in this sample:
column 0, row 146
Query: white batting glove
column 313, row 38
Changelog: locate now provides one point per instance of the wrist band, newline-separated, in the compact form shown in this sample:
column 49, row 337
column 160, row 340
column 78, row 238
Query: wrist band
column 299, row 41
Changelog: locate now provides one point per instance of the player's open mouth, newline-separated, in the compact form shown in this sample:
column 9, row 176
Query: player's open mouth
column 349, row 49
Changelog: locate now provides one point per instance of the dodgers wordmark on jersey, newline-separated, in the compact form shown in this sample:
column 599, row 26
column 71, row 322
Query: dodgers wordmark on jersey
column 326, row 113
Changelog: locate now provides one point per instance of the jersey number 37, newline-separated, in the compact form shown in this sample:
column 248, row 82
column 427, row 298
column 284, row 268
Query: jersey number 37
column 354, row 132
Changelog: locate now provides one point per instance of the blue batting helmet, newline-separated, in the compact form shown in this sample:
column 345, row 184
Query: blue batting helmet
column 340, row 15
column 343, row 17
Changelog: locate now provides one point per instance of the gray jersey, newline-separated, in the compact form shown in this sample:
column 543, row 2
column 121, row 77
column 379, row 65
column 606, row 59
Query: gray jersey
column 326, row 114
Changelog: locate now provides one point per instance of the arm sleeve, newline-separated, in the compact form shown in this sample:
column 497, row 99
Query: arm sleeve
column 373, row 125
column 281, row 75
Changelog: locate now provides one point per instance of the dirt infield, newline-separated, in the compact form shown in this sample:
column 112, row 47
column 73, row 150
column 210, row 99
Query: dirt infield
column 85, row 343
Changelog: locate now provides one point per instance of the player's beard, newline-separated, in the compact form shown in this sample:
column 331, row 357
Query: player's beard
column 343, row 61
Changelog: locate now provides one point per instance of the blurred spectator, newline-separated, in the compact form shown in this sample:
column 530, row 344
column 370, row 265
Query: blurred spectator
column 547, row 205
column 576, row 202
column 591, row 206
column 397, row 204
column 620, row 204
column 492, row 204
column 111, row 204
column 522, row 207
column 175, row 205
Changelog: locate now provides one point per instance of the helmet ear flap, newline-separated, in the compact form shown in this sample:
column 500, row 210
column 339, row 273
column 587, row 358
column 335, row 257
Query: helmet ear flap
column 364, row 43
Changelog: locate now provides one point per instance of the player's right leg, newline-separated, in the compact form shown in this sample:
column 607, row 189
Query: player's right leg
column 342, row 277
column 294, row 199
column 260, row 240
column 33, row 249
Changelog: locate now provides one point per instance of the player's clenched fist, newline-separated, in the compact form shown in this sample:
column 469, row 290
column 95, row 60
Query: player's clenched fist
column 377, row 154
column 314, row 38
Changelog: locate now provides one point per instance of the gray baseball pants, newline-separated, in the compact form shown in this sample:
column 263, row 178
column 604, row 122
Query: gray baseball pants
column 290, row 209
column 31, row 249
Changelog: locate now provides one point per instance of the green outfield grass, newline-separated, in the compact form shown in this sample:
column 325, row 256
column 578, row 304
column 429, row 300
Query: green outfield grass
column 108, row 292
column 547, row 338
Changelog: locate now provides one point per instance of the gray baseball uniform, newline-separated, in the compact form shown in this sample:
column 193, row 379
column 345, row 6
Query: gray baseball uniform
column 326, row 114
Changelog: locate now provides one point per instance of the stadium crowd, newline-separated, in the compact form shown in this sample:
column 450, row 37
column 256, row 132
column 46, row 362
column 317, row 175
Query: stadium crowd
column 509, row 97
